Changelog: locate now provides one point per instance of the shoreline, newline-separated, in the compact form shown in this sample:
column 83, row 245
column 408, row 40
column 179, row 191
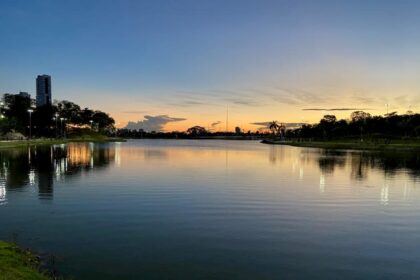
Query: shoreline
column 18, row 263
column 33, row 142
column 363, row 146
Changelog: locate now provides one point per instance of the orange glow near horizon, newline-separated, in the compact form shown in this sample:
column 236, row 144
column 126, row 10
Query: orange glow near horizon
column 246, row 107
column 244, row 123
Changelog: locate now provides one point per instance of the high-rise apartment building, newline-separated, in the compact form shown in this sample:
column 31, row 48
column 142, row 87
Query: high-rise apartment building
column 43, row 90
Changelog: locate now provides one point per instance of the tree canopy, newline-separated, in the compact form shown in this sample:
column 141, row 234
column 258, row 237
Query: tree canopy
column 46, row 119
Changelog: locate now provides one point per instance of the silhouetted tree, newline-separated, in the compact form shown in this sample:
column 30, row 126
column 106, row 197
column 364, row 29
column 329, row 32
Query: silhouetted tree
column 16, row 107
column 359, row 116
column 274, row 127
column 103, row 121
column 196, row 131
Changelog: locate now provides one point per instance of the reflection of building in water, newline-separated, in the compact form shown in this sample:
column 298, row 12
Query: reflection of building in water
column 42, row 162
column 42, row 166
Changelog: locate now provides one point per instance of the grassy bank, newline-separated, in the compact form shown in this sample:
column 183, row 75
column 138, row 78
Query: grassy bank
column 351, row 145
column 16, row 264
column 45, row 141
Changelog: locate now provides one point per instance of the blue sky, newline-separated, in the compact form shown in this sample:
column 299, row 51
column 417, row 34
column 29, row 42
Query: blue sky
column 189, row 59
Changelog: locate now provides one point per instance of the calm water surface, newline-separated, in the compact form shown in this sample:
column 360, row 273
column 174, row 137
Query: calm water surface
column 169, row 209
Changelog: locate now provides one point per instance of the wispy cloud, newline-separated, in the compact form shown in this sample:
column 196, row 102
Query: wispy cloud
column 265, row 124
column 303, row 96
column 153, row 123
column 363, row 99
column 215, row 123
column 249, row 97
column 337, row 109
column 134, row 112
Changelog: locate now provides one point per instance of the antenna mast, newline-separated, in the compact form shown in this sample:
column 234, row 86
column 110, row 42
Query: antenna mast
column 227, row 118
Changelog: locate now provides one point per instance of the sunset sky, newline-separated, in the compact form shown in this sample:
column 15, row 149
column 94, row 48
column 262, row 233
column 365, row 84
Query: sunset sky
column 174, row 64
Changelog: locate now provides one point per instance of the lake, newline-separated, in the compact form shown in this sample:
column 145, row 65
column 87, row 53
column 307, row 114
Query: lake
column 214, row 209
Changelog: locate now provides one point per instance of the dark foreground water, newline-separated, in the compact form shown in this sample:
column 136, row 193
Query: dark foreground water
column 214, row 210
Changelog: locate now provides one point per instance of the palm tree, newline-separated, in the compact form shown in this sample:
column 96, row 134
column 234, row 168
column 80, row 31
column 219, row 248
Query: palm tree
column 274, row 127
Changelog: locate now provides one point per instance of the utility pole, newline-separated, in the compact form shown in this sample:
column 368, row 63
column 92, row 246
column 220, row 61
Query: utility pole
column 227, row 118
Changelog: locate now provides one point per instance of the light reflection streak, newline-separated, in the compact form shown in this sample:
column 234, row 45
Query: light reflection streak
column 118, row 154
column 322, row 183
column 31, row 177
column 385, row 194
column 3, row 191
column 301, row 173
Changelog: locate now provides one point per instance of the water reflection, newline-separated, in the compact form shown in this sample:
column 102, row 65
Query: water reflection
column 197, row 201
column 362, row 163
column 387, row 172
column 329, row 160
column 42, row 166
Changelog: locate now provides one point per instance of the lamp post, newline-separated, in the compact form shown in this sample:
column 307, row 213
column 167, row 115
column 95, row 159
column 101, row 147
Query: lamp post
column 64, row 128
column 56, row 124
column 91, row 124
column 30, row 122
column 61, row 126
column 1, row 109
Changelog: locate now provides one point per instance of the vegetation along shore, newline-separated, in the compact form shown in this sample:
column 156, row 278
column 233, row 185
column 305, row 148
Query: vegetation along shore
column 352, row 145
column 19, row 264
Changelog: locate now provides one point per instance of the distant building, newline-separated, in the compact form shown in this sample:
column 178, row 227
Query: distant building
column 24, row 94
column 43, row 90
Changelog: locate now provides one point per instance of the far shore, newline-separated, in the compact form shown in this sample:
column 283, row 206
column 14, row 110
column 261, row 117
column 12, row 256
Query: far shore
column 400, row 145
column 396, row 145
column 54, row 141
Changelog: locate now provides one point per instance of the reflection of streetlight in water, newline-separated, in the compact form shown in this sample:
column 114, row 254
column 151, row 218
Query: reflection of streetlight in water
column 301, row 173
column 385, row 194
column 2, row 193
column 322, row 183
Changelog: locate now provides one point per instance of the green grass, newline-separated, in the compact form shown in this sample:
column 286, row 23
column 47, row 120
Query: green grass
column 352, row 145
column 16, row 264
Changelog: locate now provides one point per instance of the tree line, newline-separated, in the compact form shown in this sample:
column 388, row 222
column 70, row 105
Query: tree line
column 361, row 125
column 18, row 114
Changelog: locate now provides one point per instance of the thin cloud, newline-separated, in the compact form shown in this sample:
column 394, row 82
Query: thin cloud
column 215, row 123
column 134, row 112
column 303, row 96
column 153, row 123
column 266, row 124
column 336, row 109
column 363, row 99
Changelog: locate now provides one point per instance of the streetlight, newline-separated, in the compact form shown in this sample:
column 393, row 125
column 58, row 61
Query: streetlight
column 55, row 118
column 61, row 122
column 30, row 122
column 1, row 109
column 91, row 124
column 65, row 128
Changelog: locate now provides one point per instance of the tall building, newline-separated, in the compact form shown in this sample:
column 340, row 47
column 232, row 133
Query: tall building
column 43, row 90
